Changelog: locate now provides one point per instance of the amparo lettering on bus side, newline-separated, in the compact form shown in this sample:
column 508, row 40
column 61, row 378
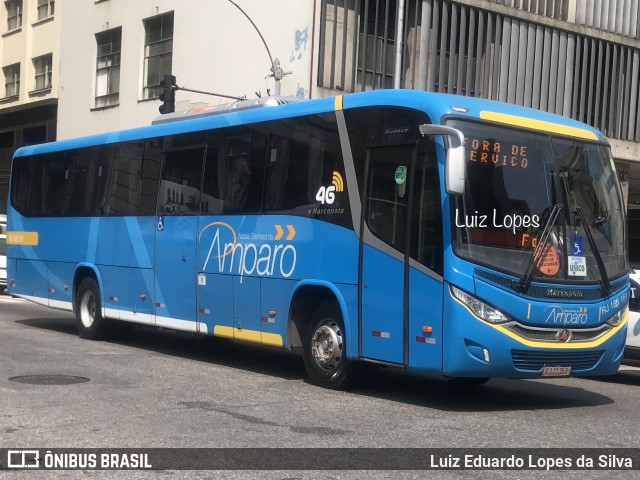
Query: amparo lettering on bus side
column 248, row 258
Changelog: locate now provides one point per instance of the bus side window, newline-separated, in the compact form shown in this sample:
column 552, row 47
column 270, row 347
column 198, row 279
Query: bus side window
column 82, row 173
column 304, row 162
column 25, row 195
column 150, row 176
column 125, row 182
column 244, row 159
column 238, row 172
column 104, row 171
column 426, row 243
column 212, row 202
column 181, row 177
column 288, row 169
column 53, row 177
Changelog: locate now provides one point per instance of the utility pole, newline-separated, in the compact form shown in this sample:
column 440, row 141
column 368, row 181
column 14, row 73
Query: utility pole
column 168, row 95
column 397, row 69
column 276, row 70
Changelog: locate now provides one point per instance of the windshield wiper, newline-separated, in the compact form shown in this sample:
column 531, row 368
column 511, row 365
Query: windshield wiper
column 605, row 286
column 522, row 285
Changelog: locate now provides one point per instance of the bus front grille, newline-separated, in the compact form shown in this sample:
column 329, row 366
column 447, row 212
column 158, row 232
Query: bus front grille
column 552, row 334
column 534, row 361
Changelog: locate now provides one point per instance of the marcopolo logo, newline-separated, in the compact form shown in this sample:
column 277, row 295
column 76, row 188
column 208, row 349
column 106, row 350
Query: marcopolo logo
column 261, row 254
column 557, row 315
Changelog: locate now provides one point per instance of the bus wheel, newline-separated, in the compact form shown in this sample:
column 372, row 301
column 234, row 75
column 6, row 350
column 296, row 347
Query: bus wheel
column 324, row 348
column 89, row 319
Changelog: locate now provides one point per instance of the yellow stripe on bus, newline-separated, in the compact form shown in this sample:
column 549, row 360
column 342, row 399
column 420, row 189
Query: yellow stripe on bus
column 568, row 346
column 22, row 238
column 539, row 125
column 594, row 343
column 264, row 338
column 338, row 103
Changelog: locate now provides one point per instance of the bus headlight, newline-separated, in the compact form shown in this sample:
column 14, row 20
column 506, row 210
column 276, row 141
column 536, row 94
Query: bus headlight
column 617, row 317
column 480, row 308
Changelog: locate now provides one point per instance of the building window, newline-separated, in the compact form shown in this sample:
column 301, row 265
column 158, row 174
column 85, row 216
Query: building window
column 158, row 52
column 12, row 80
column 42, row 66
column 45, row 9
column 14, row 14
column 108, row 67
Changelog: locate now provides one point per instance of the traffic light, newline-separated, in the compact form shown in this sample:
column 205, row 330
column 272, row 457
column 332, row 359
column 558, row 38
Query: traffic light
column 168, row 95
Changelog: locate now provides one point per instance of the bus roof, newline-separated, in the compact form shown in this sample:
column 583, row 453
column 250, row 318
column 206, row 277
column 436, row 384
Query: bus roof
column 435, row 105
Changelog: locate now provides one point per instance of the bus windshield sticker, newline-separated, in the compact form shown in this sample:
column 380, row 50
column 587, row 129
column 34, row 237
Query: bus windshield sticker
column 576, row 245
column 577, row 266
column 401, row 174
column 549, row 262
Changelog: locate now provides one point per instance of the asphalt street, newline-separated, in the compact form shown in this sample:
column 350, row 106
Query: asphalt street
column 150, row 388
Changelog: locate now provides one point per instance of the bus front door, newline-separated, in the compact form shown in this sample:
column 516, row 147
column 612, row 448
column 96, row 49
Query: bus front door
column 384, row 237
column 400, row 289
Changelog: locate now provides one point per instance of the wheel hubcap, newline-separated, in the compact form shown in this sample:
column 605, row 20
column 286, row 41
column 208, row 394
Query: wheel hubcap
column 88, row 309
column 326, row 345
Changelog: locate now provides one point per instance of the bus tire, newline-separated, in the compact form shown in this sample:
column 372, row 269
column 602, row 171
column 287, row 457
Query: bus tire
column 91, row 324
column 324, row 348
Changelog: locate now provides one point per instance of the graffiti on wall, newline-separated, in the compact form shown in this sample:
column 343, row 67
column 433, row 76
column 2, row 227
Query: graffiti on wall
column 301, row 40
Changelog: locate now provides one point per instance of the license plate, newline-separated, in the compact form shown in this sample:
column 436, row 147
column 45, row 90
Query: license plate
column 556, row 370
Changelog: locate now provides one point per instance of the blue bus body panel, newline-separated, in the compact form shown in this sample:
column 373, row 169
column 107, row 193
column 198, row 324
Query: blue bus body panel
column 250, row 266
column 246, row 305
column 59, row 289
column 33, row 280
column 123, row 241
column 475, row 348
column 425, row 298
column 236, row 275
column 121, row 248
column 314, row 246
column 275, row 297
column 175, row 271
column 382, row 306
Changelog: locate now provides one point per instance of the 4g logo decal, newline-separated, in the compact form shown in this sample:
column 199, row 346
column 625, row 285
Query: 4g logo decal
column 327, row 195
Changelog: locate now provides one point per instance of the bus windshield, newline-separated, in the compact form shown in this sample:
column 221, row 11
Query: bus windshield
column 518, row 183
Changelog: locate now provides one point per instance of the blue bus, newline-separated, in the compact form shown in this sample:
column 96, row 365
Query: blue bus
column 435, row 233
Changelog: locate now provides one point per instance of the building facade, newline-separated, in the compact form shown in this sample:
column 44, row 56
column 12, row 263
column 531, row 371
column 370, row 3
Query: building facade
column 116, row 56
column 30, row 67
column 580, row 59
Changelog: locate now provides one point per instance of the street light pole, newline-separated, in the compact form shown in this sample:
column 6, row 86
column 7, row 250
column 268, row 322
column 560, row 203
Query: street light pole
column 397, row 69
column 278, row 74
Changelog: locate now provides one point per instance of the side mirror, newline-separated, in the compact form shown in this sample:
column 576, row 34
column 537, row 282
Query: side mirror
column 455, row 165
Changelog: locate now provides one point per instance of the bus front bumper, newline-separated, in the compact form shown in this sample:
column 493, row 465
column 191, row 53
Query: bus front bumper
column 474, row 348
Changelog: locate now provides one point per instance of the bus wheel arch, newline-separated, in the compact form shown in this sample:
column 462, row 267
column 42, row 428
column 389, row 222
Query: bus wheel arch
column 84, row 271
column 317, row 325
column 87, row 304
column 305, row 300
